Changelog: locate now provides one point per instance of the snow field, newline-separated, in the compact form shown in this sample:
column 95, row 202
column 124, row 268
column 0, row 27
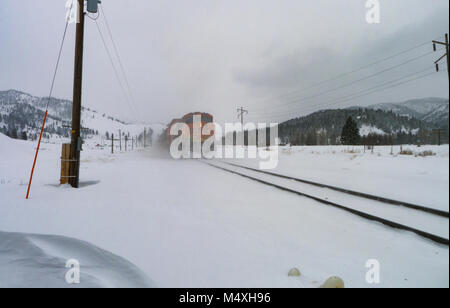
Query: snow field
column 186, row 224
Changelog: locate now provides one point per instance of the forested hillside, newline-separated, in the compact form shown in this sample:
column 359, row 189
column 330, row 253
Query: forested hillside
column 375, row 127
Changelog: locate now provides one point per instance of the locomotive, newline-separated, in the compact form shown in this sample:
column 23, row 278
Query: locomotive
column 188, row 119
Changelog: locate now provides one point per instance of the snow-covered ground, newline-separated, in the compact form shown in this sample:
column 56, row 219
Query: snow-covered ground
column 383, row 172
column 186, row 224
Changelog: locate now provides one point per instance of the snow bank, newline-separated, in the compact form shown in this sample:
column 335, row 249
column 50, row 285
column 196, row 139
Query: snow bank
column 10, row 148
column 28, row 260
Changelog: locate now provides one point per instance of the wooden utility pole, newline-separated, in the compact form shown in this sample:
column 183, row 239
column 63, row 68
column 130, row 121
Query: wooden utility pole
column 445, row 55
column 241, row 112
column 75, row 145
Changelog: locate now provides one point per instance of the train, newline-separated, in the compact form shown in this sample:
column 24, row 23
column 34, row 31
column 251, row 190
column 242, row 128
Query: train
column 188, row 119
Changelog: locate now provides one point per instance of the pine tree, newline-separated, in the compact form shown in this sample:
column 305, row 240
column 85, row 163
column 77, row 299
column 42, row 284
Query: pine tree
column 350, row 132
column 13, row 133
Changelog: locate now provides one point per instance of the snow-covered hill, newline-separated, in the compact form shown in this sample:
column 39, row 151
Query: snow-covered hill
column 376, row 126
column 431, row 110
column 413, row 121
column 21, row 116
column 57, row 107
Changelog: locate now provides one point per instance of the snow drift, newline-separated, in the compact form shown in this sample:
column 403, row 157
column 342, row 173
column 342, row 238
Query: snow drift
column 10, row 148
column 29, row 260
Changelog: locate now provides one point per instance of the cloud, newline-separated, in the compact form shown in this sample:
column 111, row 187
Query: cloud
column 213, row 55
column 288, row 71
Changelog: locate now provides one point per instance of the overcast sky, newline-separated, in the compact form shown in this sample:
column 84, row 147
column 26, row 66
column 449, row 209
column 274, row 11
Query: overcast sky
column 216, row 55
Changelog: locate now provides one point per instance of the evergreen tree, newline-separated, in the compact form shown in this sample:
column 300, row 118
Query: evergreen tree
column 13, row 133
column 350, row 132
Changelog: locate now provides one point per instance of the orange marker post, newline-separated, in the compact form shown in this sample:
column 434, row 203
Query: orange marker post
column 37, row 151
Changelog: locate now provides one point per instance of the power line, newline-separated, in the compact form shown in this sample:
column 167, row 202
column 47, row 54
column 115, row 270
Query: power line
column 388, row 84
column 347, row 99
column 392, row 86
column 353, row 71
column 391, row 82
column 368, row 93
column 375, row 87
column 346, row 85
column 57, row 63
column 114, row 68
column 388, row 87
column 119, row 59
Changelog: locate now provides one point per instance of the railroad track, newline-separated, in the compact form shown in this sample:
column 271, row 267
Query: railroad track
column 427, row 222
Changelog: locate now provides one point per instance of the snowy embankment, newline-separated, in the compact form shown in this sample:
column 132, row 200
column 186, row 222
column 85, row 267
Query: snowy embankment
column 29, row 260
column 186, row 224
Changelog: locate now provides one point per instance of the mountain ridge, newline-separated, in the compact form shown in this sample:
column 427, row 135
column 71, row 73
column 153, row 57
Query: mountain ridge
column 21, row 116
column 412, row 121
column 430, row 109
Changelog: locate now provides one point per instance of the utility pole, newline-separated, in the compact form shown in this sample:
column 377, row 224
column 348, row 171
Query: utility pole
column 75, row 145
column 445, row 55
column 112, row 143
column 120, row 140
column 241, row 111
column 145, row 136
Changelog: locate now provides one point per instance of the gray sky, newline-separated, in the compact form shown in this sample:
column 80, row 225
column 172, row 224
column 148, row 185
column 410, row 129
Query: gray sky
column 215, row 55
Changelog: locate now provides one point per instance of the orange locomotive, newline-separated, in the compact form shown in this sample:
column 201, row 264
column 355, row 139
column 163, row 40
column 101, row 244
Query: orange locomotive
column 188, row 119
